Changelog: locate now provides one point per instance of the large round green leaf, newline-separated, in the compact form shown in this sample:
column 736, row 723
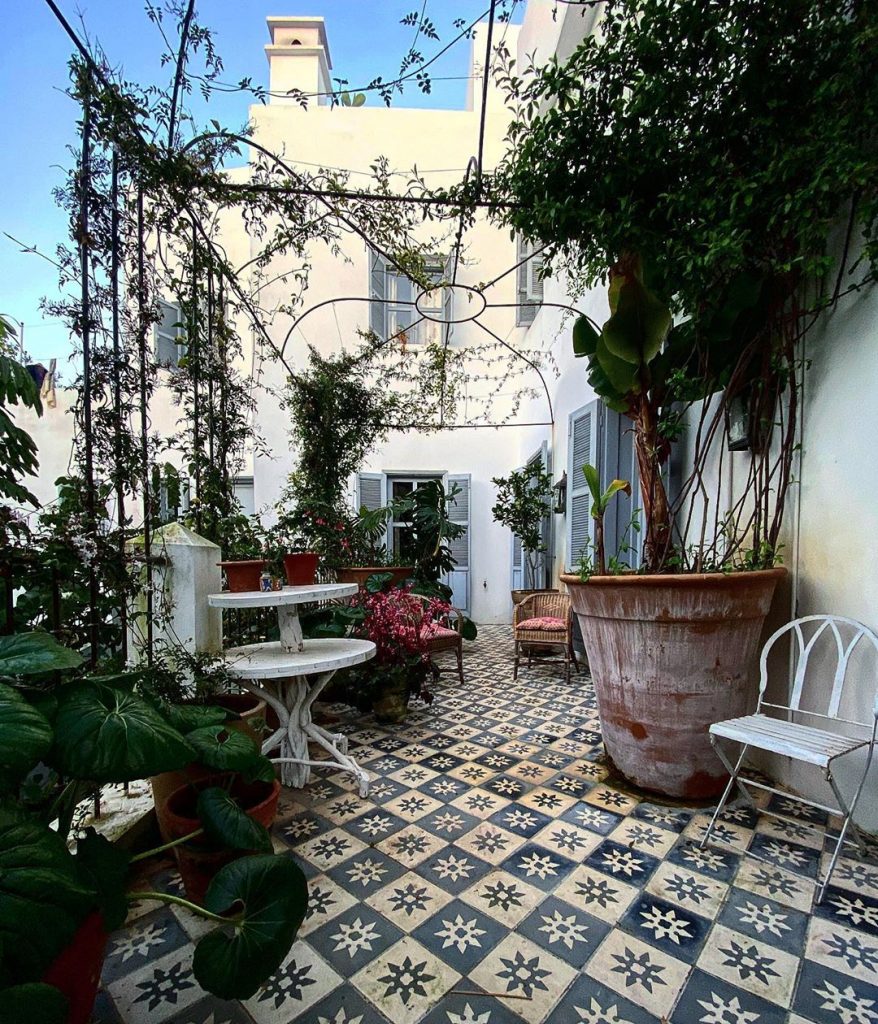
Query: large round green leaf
column 186, row 717
column 227, row 749
column 110, row 735
column 31, row 653
column 585, row 337
column 274, row 895
column 32, row 1002
column 25, row 733
column 43, row 897
column 226, row 823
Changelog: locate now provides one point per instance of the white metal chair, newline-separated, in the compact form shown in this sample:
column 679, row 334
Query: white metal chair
column 802, row 742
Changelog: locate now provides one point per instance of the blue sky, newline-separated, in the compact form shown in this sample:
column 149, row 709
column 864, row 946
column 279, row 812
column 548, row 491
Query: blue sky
column 37, row 121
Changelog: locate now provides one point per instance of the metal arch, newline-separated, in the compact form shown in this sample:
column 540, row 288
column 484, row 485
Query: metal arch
column 529, row 362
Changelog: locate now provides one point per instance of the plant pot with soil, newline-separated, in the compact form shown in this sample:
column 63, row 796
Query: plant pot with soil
column 301, row 568
column 245, row 714
column 243, row 575
column 670, row 655
column 201, row 856
column 359, row 574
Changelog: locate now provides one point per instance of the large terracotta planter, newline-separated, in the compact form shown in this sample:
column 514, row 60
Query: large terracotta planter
column 252, row 712
column 198, row 860
column 243, row 576
column 76, row 971
column 669, row 655
column 301, row 568
column 360, row 573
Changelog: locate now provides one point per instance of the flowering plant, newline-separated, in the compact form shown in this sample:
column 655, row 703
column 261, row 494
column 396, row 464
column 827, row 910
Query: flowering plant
column 398, row 622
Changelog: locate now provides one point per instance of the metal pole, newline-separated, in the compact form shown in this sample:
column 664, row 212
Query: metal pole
column 117, row 398
column 85, row 327
column 144, row 425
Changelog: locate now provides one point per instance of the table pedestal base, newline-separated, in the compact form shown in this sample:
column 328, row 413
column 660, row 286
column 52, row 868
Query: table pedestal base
column 292, row 699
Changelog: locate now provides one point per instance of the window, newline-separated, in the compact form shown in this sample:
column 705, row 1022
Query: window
column 173, row 495
column 245, row 492
column 530, row 282
column 393, row 311
column 169, row 337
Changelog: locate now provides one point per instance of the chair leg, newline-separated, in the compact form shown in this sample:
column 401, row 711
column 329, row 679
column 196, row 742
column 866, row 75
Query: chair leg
column 567, row 666
column 515, row 662
column 573, row 655
column 459, row 651
column 847, row 823
column 733, row 780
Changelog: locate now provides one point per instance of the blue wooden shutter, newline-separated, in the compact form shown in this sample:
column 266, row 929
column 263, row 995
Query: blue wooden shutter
column 517, row 571
column 459, row 512
column 377, row 290
column 581, row 448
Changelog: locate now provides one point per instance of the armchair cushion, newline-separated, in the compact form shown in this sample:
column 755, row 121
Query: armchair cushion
column 433, row 631
column 544, row 623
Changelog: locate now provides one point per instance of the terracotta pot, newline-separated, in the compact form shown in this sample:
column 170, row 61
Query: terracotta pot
column 198, row 860
column 243, row 575
column 360, row 573
column 251, row 723
column 669, row 655
column 392, row 702
column 301, row 568
column 76, row 971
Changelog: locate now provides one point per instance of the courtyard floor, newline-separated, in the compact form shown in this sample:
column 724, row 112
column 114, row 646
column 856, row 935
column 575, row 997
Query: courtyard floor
column 496, row 875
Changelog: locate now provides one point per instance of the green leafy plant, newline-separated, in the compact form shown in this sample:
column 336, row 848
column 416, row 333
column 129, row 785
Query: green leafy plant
column 18, row 453
column 706, row 186
column 600, row 502
column 98, row 731
column 524, row 499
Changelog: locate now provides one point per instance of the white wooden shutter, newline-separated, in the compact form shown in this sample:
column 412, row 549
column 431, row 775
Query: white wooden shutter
column 581, row 448
column 459, row 512
column 371, row 491
column 529, row 284
column 168, row 334
column 377, row 290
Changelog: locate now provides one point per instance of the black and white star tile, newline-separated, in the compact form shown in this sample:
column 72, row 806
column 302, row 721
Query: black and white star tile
column 497, row 874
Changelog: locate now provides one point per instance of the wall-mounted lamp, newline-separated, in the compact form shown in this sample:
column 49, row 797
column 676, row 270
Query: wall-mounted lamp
column 738, row 425
column 560, row 492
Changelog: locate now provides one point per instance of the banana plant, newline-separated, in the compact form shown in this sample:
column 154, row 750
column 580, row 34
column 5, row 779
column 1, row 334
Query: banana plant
column 599, row 504
column 641, row 364
column 96, row 731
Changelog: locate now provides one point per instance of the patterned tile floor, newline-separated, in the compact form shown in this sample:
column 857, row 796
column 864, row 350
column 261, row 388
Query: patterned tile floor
column 496, row 876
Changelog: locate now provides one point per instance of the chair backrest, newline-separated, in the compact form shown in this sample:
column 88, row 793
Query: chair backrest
column 836, row 638
column 543, row 604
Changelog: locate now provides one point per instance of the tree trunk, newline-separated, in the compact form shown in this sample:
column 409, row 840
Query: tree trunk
column 656, row 508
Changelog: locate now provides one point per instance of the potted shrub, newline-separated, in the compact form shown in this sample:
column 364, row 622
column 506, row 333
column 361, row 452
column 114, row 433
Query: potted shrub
column 59, row 904
column 524, row 499
column 700, row 196
column 364, row 554
column 395, row 620
column 244, row 541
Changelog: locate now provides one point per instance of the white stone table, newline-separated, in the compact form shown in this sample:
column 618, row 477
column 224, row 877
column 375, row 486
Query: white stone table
column 290, row 674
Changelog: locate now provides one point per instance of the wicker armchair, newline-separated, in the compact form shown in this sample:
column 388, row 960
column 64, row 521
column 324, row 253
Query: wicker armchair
column 544, row 620
column 445, row 635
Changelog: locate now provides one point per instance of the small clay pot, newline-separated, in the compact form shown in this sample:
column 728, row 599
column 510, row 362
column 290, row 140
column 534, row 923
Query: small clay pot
column 243, row 576
column 301, row 568
column 251, row 722
column 199, row 860
column 391, row 704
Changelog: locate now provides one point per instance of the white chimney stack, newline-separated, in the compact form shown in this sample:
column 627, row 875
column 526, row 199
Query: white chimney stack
column 298, row 59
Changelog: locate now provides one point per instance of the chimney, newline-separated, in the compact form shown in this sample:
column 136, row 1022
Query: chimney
column 298, row 58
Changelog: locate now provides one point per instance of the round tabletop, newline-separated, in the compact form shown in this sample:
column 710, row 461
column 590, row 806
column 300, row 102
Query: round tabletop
column 279, row 598
column 271, row 661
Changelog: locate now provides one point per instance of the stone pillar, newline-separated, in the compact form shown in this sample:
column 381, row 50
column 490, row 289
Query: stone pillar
column 188, row 573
